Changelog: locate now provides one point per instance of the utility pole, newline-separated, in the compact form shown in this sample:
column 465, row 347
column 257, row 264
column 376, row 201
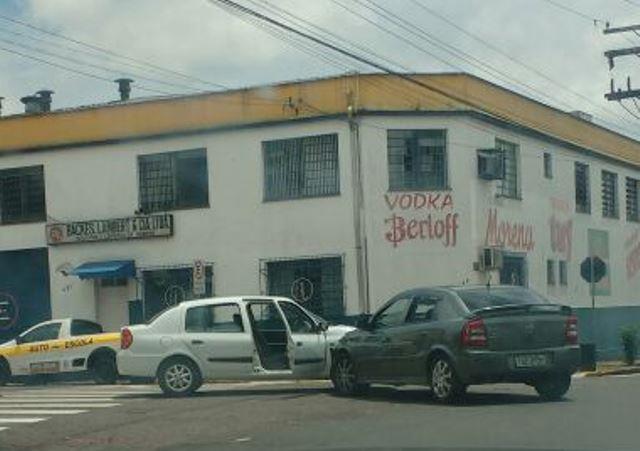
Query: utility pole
column 618, row 94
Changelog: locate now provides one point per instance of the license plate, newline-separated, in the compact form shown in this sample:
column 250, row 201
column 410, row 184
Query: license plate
column 44, row 368
column 531, row 360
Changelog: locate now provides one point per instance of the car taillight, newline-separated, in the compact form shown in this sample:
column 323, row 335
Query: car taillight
column 571, row 330
column 126, row 338
column 474, row 334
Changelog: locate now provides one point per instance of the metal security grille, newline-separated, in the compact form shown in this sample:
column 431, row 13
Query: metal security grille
column 173, row 180
column 583, row 192
column 316, row 283
column 509, row 184
column 551, row 272
column 562, row 270
column 632, row 200
column 548, row 165
column 22, row 196
column 417, row 159
column 609, row 194
column 301, row 167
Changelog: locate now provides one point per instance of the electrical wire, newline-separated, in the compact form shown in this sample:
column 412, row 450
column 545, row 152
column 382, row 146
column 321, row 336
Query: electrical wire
column 568, row 9
column 628, row 110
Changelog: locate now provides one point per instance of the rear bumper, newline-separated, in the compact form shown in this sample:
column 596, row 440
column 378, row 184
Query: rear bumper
column 476, row 367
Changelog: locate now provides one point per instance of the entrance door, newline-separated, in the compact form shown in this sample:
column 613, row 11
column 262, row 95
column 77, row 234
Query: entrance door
column 514, row 270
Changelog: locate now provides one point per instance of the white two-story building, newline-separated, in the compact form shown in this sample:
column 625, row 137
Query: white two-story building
column 336, row 192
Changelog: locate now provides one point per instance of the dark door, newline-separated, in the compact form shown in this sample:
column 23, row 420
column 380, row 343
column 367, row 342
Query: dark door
column 514, row 270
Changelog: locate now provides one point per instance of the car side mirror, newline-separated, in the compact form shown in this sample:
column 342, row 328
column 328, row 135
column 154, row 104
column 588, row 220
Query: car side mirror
column 322, row 326
column 364, row 322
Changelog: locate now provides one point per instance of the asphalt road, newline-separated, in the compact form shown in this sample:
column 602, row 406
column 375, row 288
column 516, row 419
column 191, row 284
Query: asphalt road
column 598, row 414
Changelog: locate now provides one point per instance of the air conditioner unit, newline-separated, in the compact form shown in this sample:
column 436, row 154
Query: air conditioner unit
column 490, row 164
column 490, row 258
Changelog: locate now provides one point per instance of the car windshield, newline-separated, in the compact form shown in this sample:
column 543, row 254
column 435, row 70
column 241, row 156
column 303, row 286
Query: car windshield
column 486, row 297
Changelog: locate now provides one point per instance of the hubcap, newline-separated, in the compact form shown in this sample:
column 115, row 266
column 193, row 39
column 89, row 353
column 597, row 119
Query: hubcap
column 178, row 377
column 441, row 379
column 345, row 378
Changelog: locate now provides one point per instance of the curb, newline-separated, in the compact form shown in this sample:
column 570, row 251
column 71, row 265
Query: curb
column 614, row 372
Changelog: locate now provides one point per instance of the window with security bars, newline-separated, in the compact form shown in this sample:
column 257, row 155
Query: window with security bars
column 548, row 165
column 417, row 159
column 315, row 283
column 633, row 209
column 22, row 196
column 301, row 167
column 508, row 186
column 173, row 180
column 609, row 194
column 562, row 272
column 583, row 191
column 551, row 272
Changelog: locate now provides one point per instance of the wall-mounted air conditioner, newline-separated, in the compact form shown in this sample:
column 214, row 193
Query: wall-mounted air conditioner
column 490, row 164
column 490, row 258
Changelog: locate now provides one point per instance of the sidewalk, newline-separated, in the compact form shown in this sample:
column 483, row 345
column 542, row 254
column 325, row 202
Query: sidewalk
column 612, row 369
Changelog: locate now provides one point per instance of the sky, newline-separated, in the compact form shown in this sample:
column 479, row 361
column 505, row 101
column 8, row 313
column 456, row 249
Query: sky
column 550, row 50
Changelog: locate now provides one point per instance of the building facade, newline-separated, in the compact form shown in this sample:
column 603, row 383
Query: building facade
column 339, row 193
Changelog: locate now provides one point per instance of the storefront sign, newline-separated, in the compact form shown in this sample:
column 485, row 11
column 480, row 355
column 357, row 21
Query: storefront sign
column 199, row 287
column 133, row 227
column 513, row 235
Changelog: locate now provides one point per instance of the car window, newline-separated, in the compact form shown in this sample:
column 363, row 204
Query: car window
column 214, row 318
column 49, row 331
column 423, row 309
column 485, row 297
column 299, row 321
column 82, row 327
column 393, row 315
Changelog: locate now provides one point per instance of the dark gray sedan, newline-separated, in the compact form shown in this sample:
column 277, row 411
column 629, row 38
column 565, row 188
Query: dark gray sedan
column 451, row 337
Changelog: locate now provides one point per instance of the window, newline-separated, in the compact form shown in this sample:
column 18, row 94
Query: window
column 394, row 315
column 114, row 282
column 632, row 200
column 417, row 159
column 224, row 318
column 83, row 327
column 22, row 195
column 485, row 297
column 46, row 332
column 423, row 310
column 301, row 167
column 583, row 191
column 609, row 194
column 551, row 272
column 299, row 321
column 562, row 269
column 173, row 180
column 548, row 165
column 265, row 316
column 509, row 184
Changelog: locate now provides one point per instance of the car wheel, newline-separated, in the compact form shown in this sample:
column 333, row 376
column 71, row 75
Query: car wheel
column 5, row 374
column 344, row 377
column 553, row 387
column 445, row 385
column 105, row 370
column 179, row 377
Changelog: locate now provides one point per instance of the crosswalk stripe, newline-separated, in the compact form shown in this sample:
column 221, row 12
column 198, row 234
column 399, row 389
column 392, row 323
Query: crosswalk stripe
column 13, row 400
column 40, row 412
column 21, row 420
column 57, row 406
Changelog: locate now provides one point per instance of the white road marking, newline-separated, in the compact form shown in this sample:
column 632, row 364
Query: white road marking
column 58, row 406
column 21, row 420
column 20, row 399
column 41, row 412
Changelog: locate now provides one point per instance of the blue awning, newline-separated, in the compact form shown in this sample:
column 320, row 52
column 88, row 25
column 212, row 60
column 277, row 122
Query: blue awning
column 106, row 270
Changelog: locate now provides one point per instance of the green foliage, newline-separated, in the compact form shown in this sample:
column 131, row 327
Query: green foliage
column 629, row 337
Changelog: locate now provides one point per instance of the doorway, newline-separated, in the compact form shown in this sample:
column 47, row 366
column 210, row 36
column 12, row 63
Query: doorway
column 514, row 269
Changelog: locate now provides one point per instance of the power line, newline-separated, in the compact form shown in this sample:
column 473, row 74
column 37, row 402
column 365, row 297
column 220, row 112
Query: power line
column 109, row 52
column 566, row 8
column 628, row 110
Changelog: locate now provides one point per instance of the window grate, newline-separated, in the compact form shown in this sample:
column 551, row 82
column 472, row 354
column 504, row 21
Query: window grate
column 417, row 159
column 551, row 272
column 583, row 191
column 301, row 167
column 509, row 184
column 633, row 208
column 22, row 195
column 609, row 194
column 562, row 270
column 548, row 165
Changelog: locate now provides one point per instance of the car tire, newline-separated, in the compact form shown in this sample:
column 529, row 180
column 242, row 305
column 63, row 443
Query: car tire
column 553, row 387
column 179, row 377
column 344, row 377
column 104, row 370
column 5, row 373
column 445, row 384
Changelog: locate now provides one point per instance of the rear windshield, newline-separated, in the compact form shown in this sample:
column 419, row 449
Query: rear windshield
column 479, row 298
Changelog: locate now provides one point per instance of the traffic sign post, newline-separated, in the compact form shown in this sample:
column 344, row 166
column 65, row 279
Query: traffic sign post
column 592, row 270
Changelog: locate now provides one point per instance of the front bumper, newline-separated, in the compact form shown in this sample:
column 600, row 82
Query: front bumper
column 480, row 366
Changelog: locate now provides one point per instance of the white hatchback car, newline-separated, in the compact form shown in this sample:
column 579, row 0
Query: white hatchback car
column 246, row 338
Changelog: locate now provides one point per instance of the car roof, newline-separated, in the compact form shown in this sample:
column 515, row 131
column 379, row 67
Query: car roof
column 227, row 299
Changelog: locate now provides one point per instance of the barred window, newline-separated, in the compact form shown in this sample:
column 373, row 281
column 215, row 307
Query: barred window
column 548, row 165
column 609, row 194
column 562, row 272
column 551, row 272
column 173, row 180
column 509, row 184
column 22, row 195
column 632, row 199
column 417, row 159
column 583, row 191
column 301, row 167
